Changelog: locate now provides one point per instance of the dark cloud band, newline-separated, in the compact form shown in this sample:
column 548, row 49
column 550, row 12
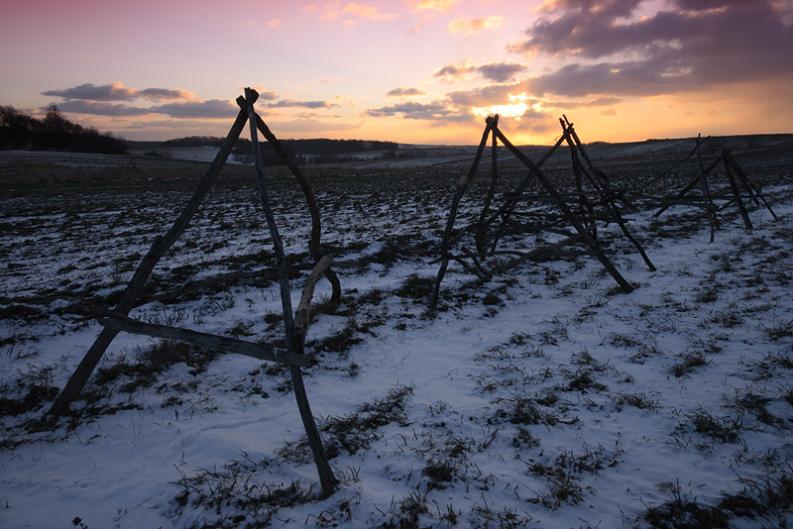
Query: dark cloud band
column 690, row 45
column 118, row 92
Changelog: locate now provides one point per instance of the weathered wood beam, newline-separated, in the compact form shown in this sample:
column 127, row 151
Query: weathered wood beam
column 462, row 185
column 507, row 208
column 736, row 193
column 602, row 189
column 120, row 322
column 483, row 228
column 757, row 195
column 577, row 171
column 303, row 312
column 513, row 196
column 710, row 207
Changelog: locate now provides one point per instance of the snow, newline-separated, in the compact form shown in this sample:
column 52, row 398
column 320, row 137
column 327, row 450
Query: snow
column 467, row 368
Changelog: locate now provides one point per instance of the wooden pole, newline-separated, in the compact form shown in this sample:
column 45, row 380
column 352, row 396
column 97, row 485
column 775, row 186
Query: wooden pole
column 518, row 190
column 710, row 207
column 483, row 228
column 736, row 193
column 580, row 145
column 577, row 169
column 135, row 287
column 569, row 215
column 462, row 185
column 748, row 183
column 604, row 178
column 314, row 248
column 327, row 479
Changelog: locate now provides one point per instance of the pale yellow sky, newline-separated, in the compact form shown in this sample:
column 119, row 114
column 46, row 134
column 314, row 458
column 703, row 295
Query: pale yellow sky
column 413, row 71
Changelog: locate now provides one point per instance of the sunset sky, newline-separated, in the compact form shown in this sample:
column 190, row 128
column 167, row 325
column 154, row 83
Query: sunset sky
column 414, row 71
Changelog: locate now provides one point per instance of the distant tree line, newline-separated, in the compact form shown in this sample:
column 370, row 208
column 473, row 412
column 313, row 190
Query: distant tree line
column 323, row 146
column 194, row 141
column 319, row 146
column 21, row 131
column 314, row 150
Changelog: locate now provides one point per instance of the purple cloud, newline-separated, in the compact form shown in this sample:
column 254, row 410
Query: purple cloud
column 92, row 92
column 499, row 72
column 101, row 108
column 404, row 91
column 211, row 108
column 437, row 111
column 286, row 103
column 118, row 92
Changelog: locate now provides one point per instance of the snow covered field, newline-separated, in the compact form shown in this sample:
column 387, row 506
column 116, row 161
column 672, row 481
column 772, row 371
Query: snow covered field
column 539, row 399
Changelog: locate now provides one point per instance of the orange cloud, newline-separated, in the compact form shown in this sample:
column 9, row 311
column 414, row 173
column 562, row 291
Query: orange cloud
column 367, row 12
column 334, row 11
column 433, row 5
column 469, row 26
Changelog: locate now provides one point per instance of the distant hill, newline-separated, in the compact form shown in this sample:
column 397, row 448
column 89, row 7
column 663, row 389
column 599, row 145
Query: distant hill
column 21, row 131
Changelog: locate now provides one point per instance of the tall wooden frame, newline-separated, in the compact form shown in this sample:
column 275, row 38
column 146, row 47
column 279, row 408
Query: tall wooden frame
column 295, row 325
column 739, row 183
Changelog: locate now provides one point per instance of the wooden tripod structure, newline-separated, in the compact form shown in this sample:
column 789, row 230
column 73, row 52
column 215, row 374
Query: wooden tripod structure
column 737, row 178
column 494, row 222
column 601, row 184
column 295, row 325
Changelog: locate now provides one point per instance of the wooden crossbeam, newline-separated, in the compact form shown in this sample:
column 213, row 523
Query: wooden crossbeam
column 120, row 322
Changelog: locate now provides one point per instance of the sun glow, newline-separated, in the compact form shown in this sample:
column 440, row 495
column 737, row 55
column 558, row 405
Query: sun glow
column 518, row 106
